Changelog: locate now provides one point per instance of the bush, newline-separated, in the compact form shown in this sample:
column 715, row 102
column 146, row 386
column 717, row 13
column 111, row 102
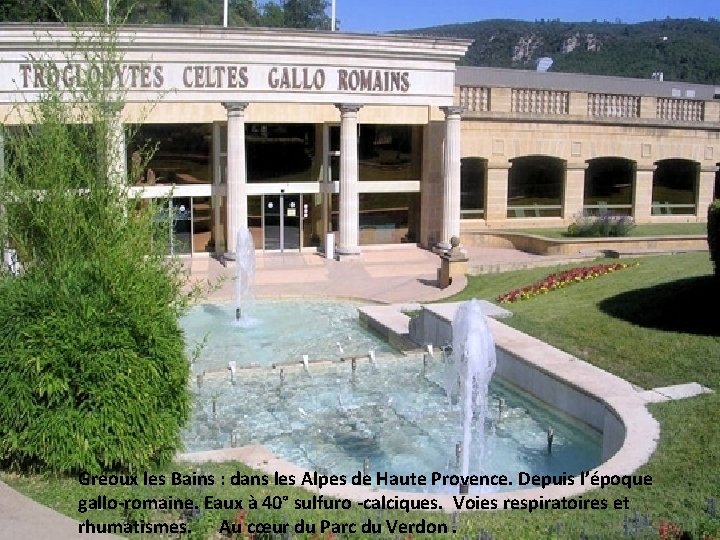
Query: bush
column 713, row 234
column 94, row 373
column 603, row 225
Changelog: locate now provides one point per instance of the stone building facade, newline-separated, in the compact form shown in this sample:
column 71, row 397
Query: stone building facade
column 376, row 139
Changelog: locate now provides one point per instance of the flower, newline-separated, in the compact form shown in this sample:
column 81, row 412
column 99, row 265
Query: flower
column 559, row 280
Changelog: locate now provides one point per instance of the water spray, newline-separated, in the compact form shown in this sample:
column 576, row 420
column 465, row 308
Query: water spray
column 232, row 368
column 550, row 437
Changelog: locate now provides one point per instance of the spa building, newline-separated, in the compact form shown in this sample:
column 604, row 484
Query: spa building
column 310, row 137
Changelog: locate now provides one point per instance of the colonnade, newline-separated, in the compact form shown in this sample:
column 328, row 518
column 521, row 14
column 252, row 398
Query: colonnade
column 348, row 222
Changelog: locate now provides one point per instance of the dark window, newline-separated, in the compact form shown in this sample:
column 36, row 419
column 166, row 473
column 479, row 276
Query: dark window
column 535, row 187
column 281, row 153
column 389, row 152
column 170, row 153
column 674, row 190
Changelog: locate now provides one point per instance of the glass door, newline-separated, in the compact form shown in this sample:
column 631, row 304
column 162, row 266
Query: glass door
column 282, row 222
column 291, row 221
column 273, row 218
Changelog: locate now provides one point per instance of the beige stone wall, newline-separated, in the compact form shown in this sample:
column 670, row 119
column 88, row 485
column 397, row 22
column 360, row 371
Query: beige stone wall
column 506, row 140
column 501, row 136
column 431, row 184
column 306, row 113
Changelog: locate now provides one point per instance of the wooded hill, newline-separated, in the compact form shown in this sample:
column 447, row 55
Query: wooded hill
column 683, row 49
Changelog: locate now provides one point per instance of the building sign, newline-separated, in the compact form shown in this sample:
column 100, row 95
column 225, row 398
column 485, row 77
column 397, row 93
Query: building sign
column 231, row 81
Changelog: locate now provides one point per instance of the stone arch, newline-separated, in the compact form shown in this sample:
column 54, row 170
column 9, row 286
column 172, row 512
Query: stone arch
column 675, row 187
column 535, row 186
column 473, row 184
column 609, row 185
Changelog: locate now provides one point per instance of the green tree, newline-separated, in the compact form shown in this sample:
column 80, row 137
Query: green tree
column 273, row 15
column 93, row 372
column 310, row 14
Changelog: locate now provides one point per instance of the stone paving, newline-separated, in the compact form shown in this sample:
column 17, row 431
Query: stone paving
column 388, row 275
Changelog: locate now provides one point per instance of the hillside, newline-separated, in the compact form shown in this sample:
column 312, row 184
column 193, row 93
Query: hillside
column 683, row 49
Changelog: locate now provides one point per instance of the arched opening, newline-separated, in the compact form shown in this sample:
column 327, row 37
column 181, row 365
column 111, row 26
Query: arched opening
column 716, row 191
column 609, row 186
column 535, row 187
column 675, row 187
column 473, row 176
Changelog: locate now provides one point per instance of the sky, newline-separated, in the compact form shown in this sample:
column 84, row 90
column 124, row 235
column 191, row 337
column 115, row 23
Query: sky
column 387, row 15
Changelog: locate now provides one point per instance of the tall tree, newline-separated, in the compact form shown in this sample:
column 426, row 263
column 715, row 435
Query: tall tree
column 310, row 14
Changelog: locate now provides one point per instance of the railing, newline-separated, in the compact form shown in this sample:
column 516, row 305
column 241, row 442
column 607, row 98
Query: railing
column 600, row 208
column 475, row 98
column 528, row 100
column 534, row 210
column 613, row 106
column 472, row 214
column 684, row 110
column 666, row 208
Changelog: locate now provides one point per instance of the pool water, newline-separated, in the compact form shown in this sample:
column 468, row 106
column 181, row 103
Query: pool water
column 276, row 332
column 392, row 415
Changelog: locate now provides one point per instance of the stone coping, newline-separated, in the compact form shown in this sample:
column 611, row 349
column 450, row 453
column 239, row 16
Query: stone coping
column 541, row 245
column 620, row 398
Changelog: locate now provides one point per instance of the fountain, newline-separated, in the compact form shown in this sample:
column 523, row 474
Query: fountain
column 391, row 409
column 472, row 365
column 389, row 413
column 244, row 275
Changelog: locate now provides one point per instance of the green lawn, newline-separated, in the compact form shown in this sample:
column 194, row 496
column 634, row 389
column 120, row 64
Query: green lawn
column 649, row 229
column 645, row 323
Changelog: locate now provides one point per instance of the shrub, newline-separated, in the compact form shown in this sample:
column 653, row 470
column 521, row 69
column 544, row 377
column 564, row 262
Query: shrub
column 713, row 235
column 605, row 224
column 93, row 374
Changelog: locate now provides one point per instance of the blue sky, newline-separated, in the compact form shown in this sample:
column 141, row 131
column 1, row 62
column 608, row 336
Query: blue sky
column 386, row 15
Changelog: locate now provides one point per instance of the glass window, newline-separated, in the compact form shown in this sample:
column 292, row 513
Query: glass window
column 674, row 189
column 389, row 152
column 202, row 217
column 473, row 173
column 281, row 153
column 388, row 218
column 609, row 186
column 535, row 187
column 167, row 154
column 181, row 235
column 254, row 203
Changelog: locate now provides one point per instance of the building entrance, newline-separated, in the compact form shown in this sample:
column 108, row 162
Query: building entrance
column 282, row 222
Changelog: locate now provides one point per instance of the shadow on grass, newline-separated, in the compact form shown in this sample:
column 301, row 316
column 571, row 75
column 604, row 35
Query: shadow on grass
column 685, row 305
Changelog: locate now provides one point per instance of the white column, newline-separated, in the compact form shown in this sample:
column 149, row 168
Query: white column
column 2, row 149
column 451, row 175
column 115, row 157
column 236, row 175
column 3, row 232
column 348, row 242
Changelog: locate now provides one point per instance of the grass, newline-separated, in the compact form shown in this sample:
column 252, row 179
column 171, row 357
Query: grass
column 648, row 229
column 646, row 324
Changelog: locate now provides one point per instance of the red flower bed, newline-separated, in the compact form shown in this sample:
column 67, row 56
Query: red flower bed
column 559, row 280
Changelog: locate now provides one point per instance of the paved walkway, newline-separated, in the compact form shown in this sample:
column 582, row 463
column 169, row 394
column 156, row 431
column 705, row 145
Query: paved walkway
column 388, row 275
